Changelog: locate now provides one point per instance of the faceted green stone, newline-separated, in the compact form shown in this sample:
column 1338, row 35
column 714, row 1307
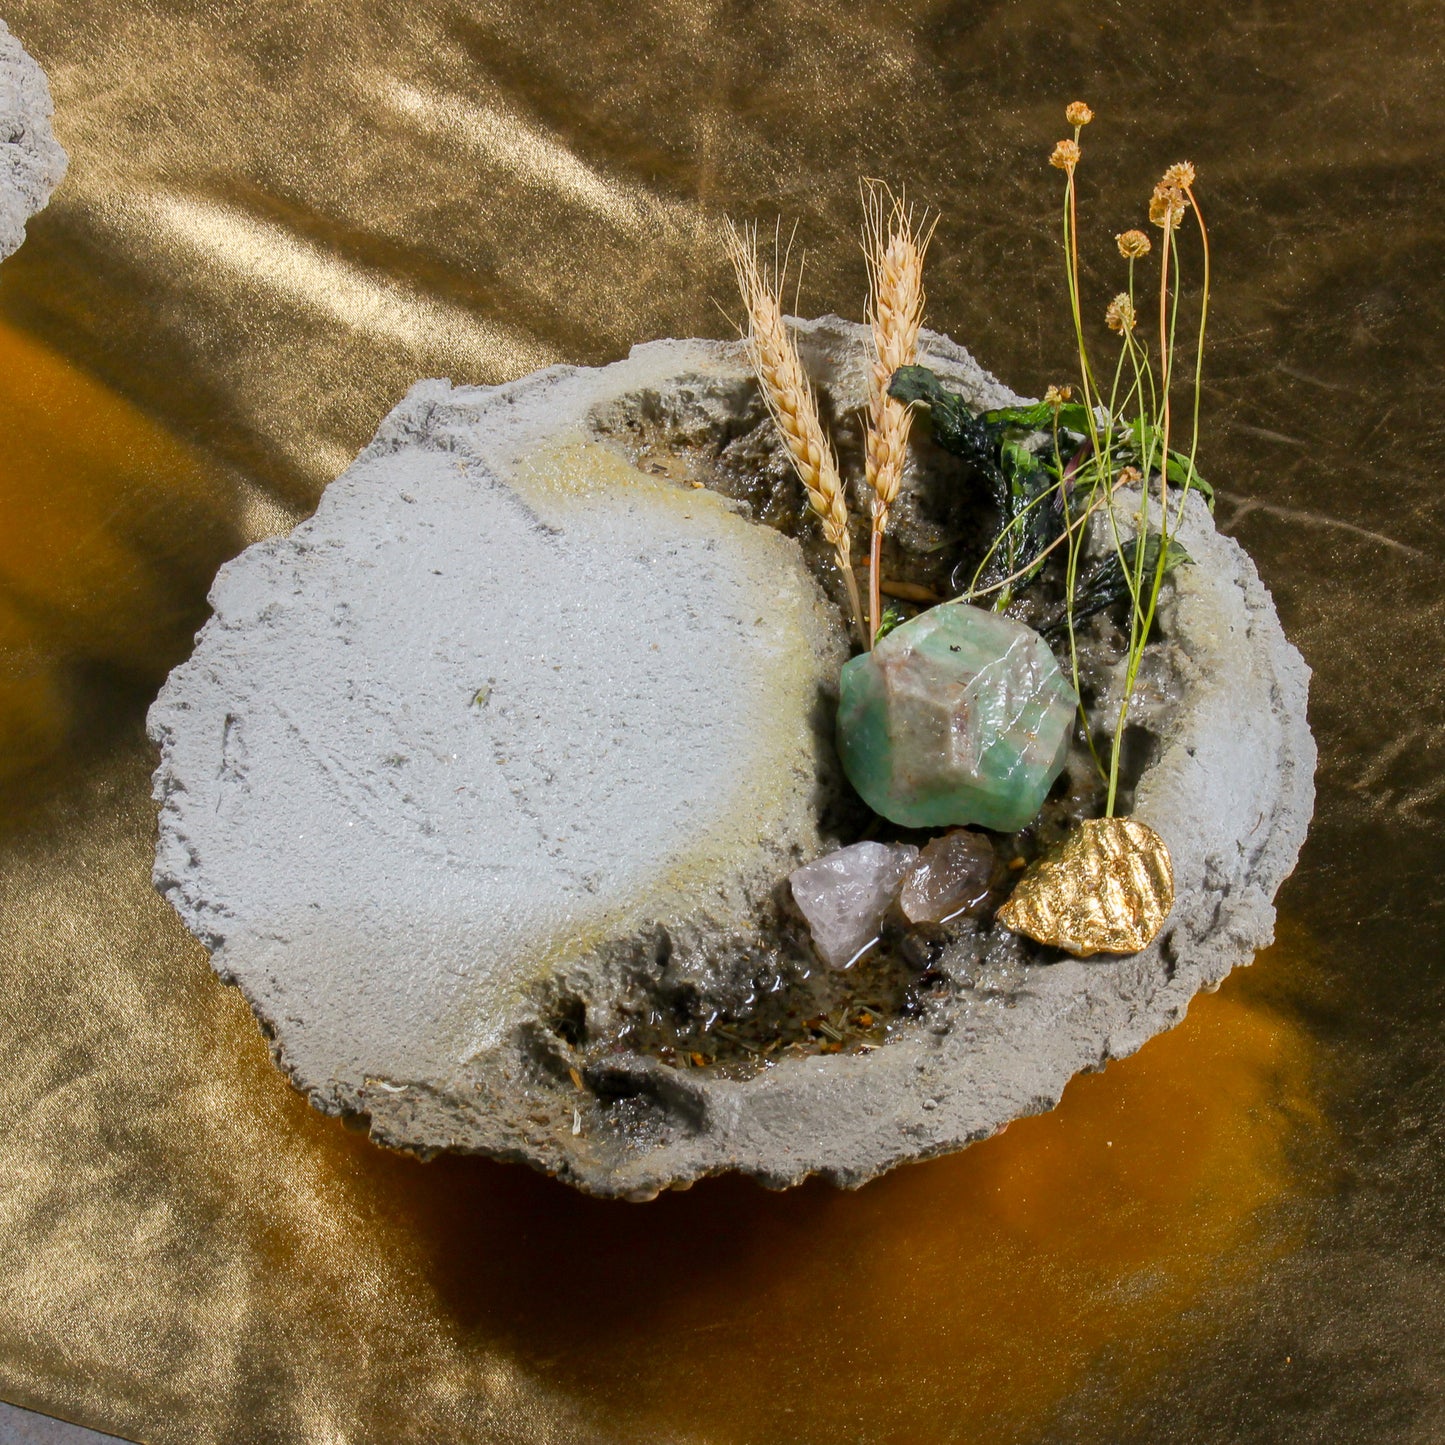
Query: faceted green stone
column 959, row 716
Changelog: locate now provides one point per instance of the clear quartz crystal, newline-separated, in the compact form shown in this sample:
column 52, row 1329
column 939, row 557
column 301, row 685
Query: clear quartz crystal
column 844, row 895
column 952, row 876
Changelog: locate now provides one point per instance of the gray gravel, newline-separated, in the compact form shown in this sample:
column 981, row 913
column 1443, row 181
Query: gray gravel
column 24, row 1427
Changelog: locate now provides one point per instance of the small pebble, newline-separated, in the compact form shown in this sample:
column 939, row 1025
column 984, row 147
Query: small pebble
column 845, row 894
column 951, row 877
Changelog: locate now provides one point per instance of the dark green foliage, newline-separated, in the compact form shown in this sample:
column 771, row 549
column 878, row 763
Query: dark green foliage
column 1131, row 443
column 1040, row 417
column 1024, row 454
column 996, row 445
column 1107, row 581
column 955, row 428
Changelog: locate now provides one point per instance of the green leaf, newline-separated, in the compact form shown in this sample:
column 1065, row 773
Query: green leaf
column 1179, row 475
column 1038, row 417
column 892, row 617
column 1018, row 463
column 955, row 428
column 1073, row 417
column 918, row 383
column 1143, row 436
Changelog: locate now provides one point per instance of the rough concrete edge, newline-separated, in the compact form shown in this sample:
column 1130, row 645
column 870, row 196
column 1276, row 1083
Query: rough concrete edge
column 34, row 156
column 436, row 415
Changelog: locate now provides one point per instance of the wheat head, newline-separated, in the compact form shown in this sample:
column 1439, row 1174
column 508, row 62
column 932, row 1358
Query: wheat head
column 894, row 243
column 790, row 400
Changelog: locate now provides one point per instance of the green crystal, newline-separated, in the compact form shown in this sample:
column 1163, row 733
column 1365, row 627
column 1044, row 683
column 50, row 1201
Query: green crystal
column 959, row 716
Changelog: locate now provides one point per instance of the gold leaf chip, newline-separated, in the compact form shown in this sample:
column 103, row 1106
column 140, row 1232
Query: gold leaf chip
column 1107, row 888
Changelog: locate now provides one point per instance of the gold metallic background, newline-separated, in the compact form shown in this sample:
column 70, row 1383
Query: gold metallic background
column 278, row 215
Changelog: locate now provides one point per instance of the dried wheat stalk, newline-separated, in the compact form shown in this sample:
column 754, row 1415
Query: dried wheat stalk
column 894, row 243
column 790, row 400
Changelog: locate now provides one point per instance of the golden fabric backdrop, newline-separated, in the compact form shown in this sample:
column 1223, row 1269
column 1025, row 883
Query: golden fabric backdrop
column 278, row 216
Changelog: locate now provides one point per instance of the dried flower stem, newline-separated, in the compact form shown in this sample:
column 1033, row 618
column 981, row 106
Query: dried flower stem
column 789, row 397
column 1199, row 350
column 1171, row 201
column 894, row 245
column 1071, row 270
column 1151, row 429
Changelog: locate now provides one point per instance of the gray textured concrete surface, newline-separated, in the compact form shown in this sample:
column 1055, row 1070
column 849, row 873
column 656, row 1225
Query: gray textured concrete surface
column 521, row 721
column 31, row 160
column 25, row 1427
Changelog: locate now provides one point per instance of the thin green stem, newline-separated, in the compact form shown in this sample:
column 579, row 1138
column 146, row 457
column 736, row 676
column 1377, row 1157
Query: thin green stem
column 1141, row 533
column 1143, row 377
column 1071, row 268
column 1140, row 625
column 1093, row 506
column 1009, row 553
column 1076, row 533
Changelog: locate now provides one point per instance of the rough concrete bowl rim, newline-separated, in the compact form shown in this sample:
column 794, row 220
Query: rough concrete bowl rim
column 775, row 1126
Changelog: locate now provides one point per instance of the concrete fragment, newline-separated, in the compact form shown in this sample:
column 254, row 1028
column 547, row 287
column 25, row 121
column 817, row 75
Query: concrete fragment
column 494, row 770
column 31, row 160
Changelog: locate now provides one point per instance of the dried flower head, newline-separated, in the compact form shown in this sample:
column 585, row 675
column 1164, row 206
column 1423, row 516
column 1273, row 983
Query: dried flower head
column 1179, row 176
column 1166, row 207
column 1078, row 113
column 1130, row 477
column 1120, row 315
column 1133, row 245
column 1056, row 396
column 1066, row 155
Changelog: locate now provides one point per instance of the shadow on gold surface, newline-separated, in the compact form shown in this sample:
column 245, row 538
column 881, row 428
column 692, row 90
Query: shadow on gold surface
column 191, row 1253
column 277, row 217
column 109, row 534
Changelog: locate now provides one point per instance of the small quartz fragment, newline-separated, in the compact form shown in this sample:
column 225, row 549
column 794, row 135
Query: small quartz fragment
column 951, row 876
column 1106, row 889
column 844, row 895
column 958, row 716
